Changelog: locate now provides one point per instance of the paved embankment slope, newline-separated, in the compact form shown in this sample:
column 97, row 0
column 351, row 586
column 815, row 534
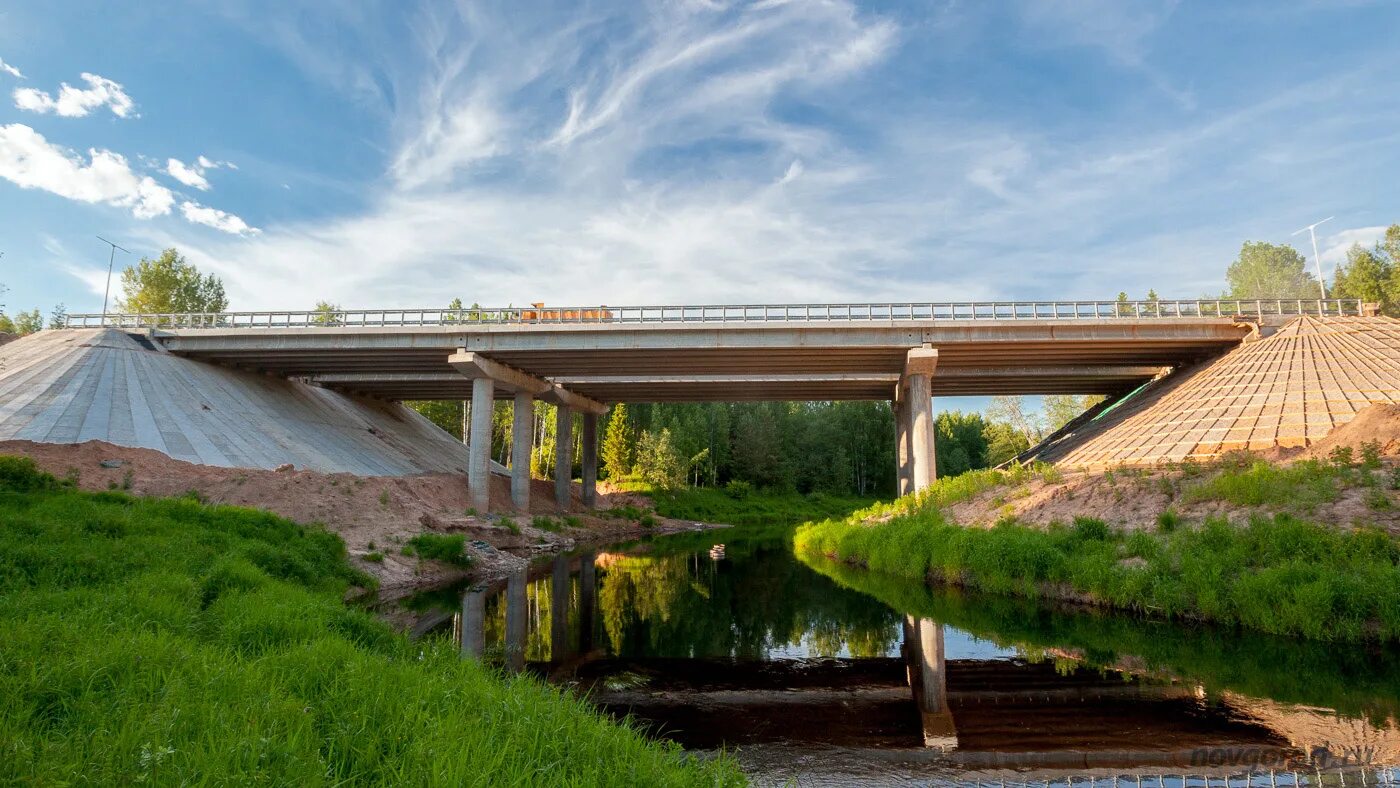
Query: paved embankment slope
column 74, row 386
column 1286, row 391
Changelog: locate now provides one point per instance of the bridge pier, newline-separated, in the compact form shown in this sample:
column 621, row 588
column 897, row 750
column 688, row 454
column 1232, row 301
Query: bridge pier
column 563, row 456
column 522, row 445
column 589, row 447
column 916, row 432
column 487, row 377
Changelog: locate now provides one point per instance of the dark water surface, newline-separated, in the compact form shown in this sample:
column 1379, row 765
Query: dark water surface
column 826, row 675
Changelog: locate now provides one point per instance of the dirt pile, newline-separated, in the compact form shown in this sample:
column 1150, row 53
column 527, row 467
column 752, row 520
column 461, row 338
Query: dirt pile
column 373, row 514
column 1379, row 424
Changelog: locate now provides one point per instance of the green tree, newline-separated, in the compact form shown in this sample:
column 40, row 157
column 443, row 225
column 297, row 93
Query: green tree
column 1061, row 409
column 328, row 314
column 960, row 442
column 1372, row 275
column 658, row 462
column 1265, row 270
column 7, row 326
column 619, row 445
column 1004, row 442
column 27, row 323
column 170, row 284
column 58, row 318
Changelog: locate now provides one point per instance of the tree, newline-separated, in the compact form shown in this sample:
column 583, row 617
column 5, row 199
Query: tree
column 1012, row 410
column 1372, row 275
column 169, row 284
column 960, row 444
column 27, row 323
column 58, row 318
column 1061, row 409
column 1004, row 442
column 328, row 314
column 658, row 463
column 1265, row 270
column 619, row 445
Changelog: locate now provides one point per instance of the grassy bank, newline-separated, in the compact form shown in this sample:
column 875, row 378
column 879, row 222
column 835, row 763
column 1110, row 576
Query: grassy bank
column 1278, row 575
column 165, row 641
column 750, row 507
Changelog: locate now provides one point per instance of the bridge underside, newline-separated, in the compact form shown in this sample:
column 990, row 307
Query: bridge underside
column 732, row 363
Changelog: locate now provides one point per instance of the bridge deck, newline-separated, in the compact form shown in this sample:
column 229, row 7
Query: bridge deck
column 790, row 360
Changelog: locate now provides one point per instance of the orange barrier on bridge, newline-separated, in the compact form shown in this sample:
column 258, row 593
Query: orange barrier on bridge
column 540, row 313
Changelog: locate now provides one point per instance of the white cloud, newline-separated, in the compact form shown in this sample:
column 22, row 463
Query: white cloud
column 78, row 102
column 32, row 162
column 1334, row 247
column 190, row 176
column 208, row 164
column 213, row 217
column 6, row 68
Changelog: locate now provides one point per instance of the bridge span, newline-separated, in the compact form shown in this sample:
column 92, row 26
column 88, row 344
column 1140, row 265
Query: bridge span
column 585, row 358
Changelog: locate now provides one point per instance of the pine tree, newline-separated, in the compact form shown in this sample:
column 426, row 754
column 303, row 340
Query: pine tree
column 619, row 446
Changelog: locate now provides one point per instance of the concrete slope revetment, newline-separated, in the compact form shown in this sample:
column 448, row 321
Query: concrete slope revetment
column 1285, row 391
column 102, row 384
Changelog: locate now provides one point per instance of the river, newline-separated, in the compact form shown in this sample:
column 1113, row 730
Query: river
column 827, row 675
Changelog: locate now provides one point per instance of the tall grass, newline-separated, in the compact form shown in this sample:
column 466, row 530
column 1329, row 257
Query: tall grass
column 169, row 642
column 751, row 508
column 1277, row 575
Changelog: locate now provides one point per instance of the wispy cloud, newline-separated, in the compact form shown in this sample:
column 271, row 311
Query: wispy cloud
column 6, row 68
column 213, row 217
column 192, row 176
column 32, row 162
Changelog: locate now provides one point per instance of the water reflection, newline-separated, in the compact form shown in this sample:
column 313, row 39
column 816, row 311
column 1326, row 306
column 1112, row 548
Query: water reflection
column 837, row 675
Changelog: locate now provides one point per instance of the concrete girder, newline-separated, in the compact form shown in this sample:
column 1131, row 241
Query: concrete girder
column 474, row 366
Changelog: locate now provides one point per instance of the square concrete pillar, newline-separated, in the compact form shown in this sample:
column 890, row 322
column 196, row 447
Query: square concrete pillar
column 589, row 459
column 922, row 431
column 563, row 456
column 479, row 448
column 522, row 445
column 919, row 366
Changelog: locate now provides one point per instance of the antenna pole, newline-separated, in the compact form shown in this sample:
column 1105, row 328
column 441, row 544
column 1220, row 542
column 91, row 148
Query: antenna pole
column 111, row 258
column 1317, row 261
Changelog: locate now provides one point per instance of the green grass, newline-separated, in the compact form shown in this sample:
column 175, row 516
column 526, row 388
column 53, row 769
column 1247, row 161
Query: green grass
column 708, row 505
column 1278, row 575
column 170, row 642
column 545, row 523
column 450, row 548
column 1301, row 486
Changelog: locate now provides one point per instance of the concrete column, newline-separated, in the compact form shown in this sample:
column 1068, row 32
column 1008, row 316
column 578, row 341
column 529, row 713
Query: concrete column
column 473, row 622
column 590, row 459
column 922, row 430
column 522, row 445
column 559, row 610
column 901, row 438
column 479, row 450
column 517, row 627
column 563, row 456
column 928, row 678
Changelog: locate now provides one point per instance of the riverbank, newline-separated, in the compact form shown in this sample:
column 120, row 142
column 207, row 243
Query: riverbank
column 133, row 630
column 376, row 516
column 1277, row 573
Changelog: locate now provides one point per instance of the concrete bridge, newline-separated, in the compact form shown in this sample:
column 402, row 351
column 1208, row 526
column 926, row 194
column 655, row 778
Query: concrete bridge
column 584, row 358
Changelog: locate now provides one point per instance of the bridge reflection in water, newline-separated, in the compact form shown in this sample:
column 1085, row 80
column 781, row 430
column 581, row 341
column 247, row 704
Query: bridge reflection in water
column 606, row 624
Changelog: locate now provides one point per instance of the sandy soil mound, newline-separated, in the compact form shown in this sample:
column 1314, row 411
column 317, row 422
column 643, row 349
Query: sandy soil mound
column 1378, row 423
column 383, row 511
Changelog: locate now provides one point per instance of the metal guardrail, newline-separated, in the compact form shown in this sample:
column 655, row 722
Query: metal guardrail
column 815, row 313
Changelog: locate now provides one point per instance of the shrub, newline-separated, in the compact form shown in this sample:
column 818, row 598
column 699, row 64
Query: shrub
column 738, row 490
column 509, row 524
column 1090, row 529
column 1371, row 455
column 21, row 475
column 1341, row 456
column 439, row 547
column 374, row 557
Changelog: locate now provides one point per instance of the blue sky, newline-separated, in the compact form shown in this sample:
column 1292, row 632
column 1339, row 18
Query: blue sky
column 403, row 154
